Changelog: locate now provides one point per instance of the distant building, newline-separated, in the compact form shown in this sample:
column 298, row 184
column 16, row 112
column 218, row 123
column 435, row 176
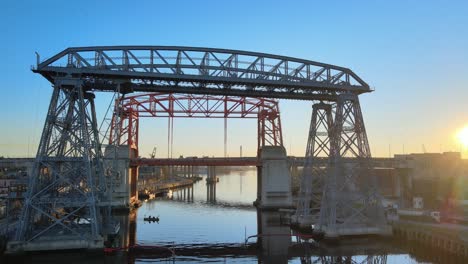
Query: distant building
column 5, row 186
column 438, row 178
column 388, row 182
column 13, row 184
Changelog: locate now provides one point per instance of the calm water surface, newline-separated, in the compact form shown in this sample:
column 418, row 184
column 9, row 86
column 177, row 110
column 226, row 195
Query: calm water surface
column 226, row 218
column 230, row 217
column 207, row 216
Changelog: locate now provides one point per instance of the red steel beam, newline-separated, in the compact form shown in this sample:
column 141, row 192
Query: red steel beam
column 250, row 161
column 128, row 110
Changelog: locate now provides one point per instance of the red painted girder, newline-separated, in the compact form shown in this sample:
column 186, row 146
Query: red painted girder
column 250, row 161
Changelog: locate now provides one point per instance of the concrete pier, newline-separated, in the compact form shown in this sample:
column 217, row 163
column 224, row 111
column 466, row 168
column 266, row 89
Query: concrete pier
column 123, row 182
column 274, row 179
column 211, row 180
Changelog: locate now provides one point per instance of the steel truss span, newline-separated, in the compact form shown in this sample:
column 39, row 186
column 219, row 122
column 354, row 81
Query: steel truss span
column 201, row 71
column 125, row 120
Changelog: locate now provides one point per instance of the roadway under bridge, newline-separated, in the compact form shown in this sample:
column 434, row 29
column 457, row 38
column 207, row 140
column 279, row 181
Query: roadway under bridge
column 79, row 175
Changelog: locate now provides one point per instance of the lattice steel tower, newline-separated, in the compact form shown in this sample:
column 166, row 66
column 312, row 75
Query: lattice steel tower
column 316, row 164
column 343, row 182
column 61, row 203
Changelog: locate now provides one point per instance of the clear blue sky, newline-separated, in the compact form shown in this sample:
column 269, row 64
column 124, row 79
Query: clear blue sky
column 414, row 53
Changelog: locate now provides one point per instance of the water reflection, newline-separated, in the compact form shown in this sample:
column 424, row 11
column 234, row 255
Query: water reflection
column 127, row 234
column 274, row 237
column 210, row 223
column 181, row 194
column 218, row 217
column 211, row 192
column 274, row 244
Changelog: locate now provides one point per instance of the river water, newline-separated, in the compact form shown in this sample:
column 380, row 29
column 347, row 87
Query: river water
column 203, row 222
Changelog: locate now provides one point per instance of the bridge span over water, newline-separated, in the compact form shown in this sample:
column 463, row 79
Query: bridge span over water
column 238, row 161
column 79, row 173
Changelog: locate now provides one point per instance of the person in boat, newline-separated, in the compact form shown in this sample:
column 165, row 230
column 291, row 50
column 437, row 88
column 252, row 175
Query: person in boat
column 152, row 218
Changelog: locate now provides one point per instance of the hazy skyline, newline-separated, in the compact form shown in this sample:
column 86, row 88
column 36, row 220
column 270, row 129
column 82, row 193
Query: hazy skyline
column 415, row 55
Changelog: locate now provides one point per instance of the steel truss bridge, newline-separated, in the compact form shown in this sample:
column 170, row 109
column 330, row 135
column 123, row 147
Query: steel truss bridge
column 201, row 71
column 70, row 184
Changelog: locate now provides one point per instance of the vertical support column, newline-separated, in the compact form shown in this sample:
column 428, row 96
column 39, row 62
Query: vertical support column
column 134, row 171
column 275, row 179
column 211, row 184
column 225, row 136
column 63, row 184
column 269, row 133
column 172, row 135
column 133, row 144
column 123, row 146
column 191, row 194
column 315, row 166
column 100, row 181
column 351, row 204
column 269, row 128
column 211, row 176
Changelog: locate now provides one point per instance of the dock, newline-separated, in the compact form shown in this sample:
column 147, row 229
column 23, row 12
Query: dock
column 450, row 238
column 161, row 187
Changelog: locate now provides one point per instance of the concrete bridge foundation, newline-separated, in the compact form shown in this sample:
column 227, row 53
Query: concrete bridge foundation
column 121, row 177
column 274, row 180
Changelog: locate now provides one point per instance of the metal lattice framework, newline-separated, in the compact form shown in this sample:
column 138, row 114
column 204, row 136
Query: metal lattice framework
column 202, row 71
column 66, row 186
column 316, row 165
column 351, row 203
column 129, row 109
column 61, row 198
column 339, row 196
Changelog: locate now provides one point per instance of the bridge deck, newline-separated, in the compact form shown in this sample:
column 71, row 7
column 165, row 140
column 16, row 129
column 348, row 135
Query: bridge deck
column 248, row 161
column 235, row 161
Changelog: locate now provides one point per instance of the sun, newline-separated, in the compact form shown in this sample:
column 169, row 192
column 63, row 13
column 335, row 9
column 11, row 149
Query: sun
column 463, row 136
